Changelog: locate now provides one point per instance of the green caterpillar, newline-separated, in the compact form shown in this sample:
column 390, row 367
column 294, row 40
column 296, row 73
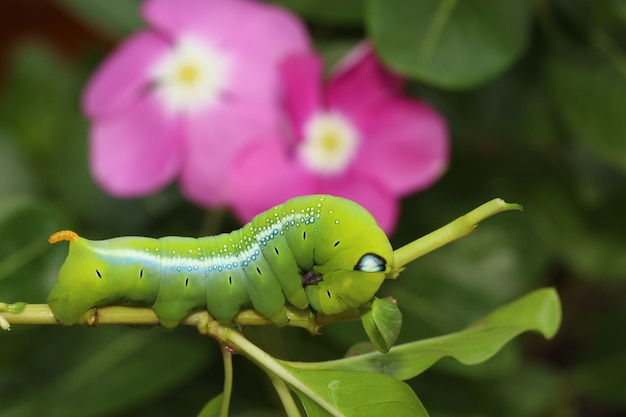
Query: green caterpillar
column 318, row 251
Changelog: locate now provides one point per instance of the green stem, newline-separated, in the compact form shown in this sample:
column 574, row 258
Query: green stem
column 228, row 379
column 40, row 314
column 265, row 361
column 452, row 231
column 290, row 406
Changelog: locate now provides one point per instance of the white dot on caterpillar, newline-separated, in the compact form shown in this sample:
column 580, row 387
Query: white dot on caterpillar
column 336, row 221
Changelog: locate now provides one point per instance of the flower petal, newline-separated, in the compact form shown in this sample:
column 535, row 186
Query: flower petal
column 119, row 81
column 230, row 24
column 301, row 78
column 375, row 198
column 359, row 81
column 252, row 79
column 213, row 139
column 178, row 17
column 405, row 145
column 264, row 175
column 136, row 153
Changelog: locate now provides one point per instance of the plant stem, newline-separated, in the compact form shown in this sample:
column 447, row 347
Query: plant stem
column 228, row 379
column 261, row 358
column 452, row 231
column 290, row 406
column 41, row 314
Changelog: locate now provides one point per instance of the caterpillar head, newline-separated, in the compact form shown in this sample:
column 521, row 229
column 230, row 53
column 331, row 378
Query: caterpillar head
column 352, row 259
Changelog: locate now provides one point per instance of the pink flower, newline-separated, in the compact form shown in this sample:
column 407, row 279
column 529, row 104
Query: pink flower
column 179, row 99
column 360, row 139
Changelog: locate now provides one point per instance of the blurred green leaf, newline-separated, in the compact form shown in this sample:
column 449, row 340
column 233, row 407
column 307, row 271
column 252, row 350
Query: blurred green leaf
column 450, row 44
column 590, row 94
column 36, row 121
column 26, row 259
column 530, row 391
column 113, row 17
column 539, row 311
column 603, row 378
column 348, row 12
column 15, row 176
column 108, row 376
column 588, row 241
column 213, row 407
column 362, row 394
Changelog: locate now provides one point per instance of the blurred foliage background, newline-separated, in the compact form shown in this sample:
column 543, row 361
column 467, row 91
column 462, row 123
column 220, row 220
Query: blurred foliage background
column 535, row 96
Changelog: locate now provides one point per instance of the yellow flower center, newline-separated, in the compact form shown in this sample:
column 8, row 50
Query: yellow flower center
column 191, row 76
column 330, row 143
column 188, row 73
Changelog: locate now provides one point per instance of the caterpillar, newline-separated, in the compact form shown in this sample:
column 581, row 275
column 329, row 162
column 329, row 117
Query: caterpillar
column 320, row 251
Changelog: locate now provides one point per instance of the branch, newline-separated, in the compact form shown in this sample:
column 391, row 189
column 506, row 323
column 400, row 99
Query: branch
column 452, row 231
column 142, row 316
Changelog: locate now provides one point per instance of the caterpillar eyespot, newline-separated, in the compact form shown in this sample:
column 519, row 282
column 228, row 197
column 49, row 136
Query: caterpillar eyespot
column 370, row 262
column 297, row 253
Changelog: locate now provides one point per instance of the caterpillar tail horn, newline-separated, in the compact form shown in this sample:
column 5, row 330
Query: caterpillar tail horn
column 62, row 235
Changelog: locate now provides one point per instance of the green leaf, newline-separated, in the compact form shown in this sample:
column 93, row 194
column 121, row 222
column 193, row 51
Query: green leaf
column 449, row 43
column 362, row 394
column 382, row 321
column 590, row 93
column 539, row 311
column 331, row 392
column 213, row 407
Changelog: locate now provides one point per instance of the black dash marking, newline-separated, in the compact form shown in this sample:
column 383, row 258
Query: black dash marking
column 336, row 243
column 141, row 273
column 230, row 280
column 304, row 235
column 276, row 250
column 328, row 294
column 187, row 282
column 98, row 273
column 258, row 270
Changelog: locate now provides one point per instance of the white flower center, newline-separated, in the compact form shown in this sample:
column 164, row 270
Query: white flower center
column 330, row 143
column 191, row 76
